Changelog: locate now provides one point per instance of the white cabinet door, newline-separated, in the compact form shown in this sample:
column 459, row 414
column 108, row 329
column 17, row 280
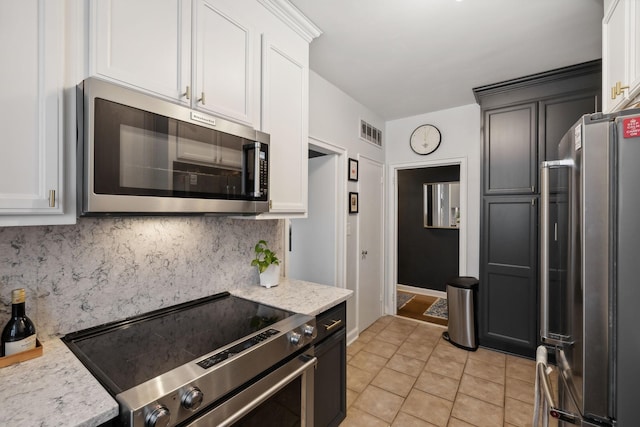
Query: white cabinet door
column 143, row 43
column 285, row 89
column 621, row 55
column 634, row 48
column 31, row 83
column 226, row 53
column 614, row 54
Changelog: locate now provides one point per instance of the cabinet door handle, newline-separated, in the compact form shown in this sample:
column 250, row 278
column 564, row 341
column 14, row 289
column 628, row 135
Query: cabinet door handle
column 617, row 90
column 187, row 93
column 52, row 198
column 201, row 100
column 334, row 324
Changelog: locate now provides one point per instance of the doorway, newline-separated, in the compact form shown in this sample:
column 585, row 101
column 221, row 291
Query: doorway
column 321, row 235
column 391, row 296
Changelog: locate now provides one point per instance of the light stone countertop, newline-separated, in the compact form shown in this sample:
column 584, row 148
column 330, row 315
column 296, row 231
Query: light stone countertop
column 296, row 295
column 54, row 389
column 57, row 390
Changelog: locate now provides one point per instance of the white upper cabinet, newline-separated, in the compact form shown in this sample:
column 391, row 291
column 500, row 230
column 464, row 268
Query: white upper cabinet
column 227, row 54
column 198, row 52
column 31, row 111
column 143, row 43
column 621, row 57
column 285, row 89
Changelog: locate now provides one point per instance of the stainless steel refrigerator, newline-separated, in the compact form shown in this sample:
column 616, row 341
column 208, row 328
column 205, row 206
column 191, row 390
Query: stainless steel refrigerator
column 590, row 271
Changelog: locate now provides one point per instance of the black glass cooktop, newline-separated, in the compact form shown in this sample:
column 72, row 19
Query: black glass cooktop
column 127, row 353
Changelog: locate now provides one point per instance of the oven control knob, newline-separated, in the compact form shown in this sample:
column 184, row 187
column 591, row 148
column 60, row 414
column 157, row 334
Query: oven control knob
column 294, row 338
column 308, row 330
column 158, row 417
column 192, row 398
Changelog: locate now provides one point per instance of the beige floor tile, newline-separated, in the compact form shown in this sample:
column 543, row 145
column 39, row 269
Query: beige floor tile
column 523, row 391
column 477, row 412
column 379, row 403
column 438, row 385
column 351, row 396
column 416, row 350
column 447, row 367
column 402, row 326
column 358, row 379
column 366, row 336
column 518, row 413
column 394, row 381
column 521, row 369
column 446, row 350
column 406, row 365
column 355, row 347
column 357, row 418
column 377, row 326
column 482, row 389
column 427, row 407
column 486, row 371
column 392, row 336
column 349, row 356
column 381, row 348
column 368, row 361
column 489, row 356
column 426, row 334
column 454, row 422
column 406, row 420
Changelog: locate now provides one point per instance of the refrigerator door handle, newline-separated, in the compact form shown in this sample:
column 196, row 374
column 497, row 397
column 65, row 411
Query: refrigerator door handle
column 547, row 336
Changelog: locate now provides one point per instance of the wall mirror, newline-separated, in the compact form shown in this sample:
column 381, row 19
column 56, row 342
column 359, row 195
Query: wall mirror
column 442, row 204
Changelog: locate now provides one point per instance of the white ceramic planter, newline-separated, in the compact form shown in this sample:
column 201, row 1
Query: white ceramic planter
column 271, row 276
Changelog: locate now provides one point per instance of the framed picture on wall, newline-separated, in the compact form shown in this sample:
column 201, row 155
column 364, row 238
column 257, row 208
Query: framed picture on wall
column 353, row 202
column 353, row 170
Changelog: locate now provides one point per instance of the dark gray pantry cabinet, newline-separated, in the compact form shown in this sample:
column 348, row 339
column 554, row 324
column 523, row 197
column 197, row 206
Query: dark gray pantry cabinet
column 522, row 122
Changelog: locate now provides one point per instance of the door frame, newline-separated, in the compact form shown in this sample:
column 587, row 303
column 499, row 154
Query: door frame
column 341, row 207
column 392, row 255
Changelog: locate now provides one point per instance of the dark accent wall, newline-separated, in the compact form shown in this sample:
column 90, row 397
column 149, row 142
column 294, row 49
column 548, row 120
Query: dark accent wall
column 427, row 257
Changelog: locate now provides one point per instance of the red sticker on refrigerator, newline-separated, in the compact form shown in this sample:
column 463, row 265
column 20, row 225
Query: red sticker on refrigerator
column 631, row 127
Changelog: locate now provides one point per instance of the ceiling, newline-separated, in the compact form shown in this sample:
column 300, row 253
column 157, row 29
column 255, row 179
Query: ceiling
column 401, row 58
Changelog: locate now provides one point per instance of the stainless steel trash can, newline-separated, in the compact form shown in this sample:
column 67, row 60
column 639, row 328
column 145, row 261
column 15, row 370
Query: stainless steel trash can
column 462, row 297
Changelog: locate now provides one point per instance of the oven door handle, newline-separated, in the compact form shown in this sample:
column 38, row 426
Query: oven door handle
column 268, row 393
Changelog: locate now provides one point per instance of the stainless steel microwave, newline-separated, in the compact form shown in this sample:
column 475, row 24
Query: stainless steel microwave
column 138, row 154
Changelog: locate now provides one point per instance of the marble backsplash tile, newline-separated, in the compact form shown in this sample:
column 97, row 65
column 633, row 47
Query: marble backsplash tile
column 106, row 269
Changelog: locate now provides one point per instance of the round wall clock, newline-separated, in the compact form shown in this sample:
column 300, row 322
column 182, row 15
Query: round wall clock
column 425, row 139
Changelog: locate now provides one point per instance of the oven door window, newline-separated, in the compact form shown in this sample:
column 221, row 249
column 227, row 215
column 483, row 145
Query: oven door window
column 283, row 409
column 146, row 154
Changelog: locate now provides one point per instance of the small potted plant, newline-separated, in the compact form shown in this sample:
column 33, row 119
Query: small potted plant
column 268, row 265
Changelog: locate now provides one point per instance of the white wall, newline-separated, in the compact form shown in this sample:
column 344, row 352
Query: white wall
column 334, row 117
column 460, row 128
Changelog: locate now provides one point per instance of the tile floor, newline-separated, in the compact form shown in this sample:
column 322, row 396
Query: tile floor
column 401, row 373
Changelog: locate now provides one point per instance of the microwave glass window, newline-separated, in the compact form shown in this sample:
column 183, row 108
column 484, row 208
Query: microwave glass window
column 141, row 153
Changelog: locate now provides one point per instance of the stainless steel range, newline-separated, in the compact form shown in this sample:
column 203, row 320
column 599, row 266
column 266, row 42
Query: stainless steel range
column 216, row 361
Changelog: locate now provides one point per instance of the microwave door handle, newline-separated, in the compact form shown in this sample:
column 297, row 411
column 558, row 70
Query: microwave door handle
column 546, row 336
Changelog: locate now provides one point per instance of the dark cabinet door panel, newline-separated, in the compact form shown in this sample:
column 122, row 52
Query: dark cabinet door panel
column 508, row 285
column 509, row 231
column 510, row 149
column 509, row 317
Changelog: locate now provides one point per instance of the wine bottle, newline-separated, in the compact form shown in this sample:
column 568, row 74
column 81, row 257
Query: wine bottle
column 19, row 334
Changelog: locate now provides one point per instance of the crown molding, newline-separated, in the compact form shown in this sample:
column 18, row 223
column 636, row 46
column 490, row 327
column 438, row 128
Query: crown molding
column 290, row 15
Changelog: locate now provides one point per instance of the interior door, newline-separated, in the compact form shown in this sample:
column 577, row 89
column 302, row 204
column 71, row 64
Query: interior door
column 371, row 242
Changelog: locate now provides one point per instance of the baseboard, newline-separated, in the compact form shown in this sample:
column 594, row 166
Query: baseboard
column 352, row 335
column 421, row 291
